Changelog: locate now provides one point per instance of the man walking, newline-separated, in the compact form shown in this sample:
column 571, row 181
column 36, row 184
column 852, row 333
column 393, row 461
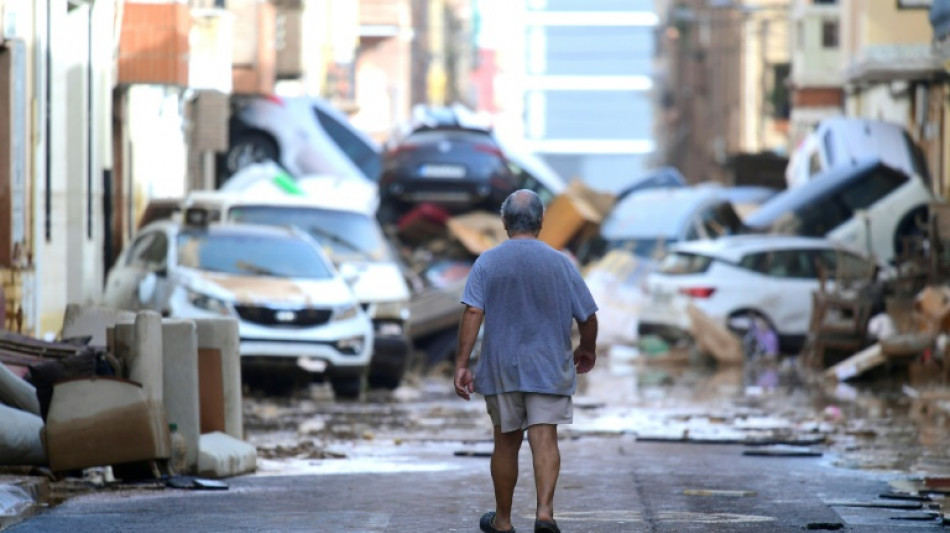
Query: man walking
column 528, row 295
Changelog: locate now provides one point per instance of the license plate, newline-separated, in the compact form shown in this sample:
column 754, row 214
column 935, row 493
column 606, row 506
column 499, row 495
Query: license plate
column 442, row 171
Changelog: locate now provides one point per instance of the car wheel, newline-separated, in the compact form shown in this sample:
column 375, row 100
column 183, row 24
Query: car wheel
column 741, row 322
column 911, row 228
column 383, row 381
column 250, row 148
column 347, row 388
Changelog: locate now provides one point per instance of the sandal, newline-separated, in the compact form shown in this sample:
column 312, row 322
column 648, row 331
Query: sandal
column 487, row 525
column 544, row 526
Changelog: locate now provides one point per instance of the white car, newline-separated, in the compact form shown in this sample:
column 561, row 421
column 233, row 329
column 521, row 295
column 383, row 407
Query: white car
column 294, row 310
column 746, row 276
column 868, row 206
column 840, row 141
column 353, row 240
column 305, row 135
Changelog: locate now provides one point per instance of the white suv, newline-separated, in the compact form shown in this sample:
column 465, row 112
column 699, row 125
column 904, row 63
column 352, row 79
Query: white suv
column 747, row 276
column 294, row 310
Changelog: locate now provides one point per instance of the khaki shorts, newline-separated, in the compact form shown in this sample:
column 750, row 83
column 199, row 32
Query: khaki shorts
column 518, row 410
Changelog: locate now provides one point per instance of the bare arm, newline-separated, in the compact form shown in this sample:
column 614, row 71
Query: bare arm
column 468, row 332
column 585, row 355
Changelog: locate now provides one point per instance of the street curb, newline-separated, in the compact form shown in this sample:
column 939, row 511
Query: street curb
column 20, row 497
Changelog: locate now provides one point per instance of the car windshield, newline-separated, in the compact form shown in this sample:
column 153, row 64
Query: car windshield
column 362, row 154
column 252, row 255
column 343, row 234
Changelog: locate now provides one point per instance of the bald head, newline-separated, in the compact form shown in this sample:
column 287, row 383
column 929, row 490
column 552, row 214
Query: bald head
column 522, row 212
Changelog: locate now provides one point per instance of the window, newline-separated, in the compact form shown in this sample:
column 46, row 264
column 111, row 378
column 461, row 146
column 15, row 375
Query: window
column 781, row 98
column 829, row 148
column 819, row 218
column 838, row 264
column 862, row 194
column 149, row 251
column 684, row 263
column 781, row 264
column 829, row 34
column 814, row 164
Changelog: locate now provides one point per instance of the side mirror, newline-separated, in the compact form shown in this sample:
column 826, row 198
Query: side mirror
column 349, row 272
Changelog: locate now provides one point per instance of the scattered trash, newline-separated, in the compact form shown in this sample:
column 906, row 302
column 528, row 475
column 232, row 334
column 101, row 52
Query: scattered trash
column 783, row 451
column 824, row 526
column 195, row 483
column 470, row 453
column 723, row 493
column 905, row 496
column 921, row 517
column 903, row 506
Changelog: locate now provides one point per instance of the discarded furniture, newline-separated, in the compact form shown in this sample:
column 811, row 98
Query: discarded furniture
column 714, row 339
column 20, row 442
column 841, row 309
column 104, row 421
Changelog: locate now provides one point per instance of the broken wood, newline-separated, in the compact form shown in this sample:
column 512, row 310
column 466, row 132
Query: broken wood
column 713, row 338
column 859, row 363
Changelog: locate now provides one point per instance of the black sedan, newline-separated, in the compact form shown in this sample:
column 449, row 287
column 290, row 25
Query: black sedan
column 457, row 168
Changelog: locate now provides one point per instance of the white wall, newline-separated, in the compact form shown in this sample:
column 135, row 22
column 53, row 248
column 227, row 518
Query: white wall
column 69, row 264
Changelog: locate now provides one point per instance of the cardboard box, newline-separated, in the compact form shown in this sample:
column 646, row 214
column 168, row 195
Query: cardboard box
column 575, row 215
column 478, row 231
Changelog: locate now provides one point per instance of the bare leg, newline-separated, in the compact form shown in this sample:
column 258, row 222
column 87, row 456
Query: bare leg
column 547, row 466
column 504, row 474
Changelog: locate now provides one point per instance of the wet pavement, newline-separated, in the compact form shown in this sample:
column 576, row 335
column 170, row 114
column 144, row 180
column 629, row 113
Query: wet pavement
column 654, row 447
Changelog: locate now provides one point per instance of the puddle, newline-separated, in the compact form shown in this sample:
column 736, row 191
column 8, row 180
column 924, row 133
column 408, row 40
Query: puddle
column 876, row 424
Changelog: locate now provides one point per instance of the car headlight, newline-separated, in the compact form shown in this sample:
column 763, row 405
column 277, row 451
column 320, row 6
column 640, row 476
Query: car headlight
column 208, row 303
column 345, row 312
column 391, row 310
column 351, row 345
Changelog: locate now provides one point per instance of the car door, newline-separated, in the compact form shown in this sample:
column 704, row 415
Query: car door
column 786, row 297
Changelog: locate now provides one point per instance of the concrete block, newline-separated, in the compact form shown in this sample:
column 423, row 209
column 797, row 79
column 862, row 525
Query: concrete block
column 180, row 361
column 16, row 392
column 104, row 421
column 82, row 320
column 20, row 442
column 139, row 347
column 219, row 376
column 223, row 456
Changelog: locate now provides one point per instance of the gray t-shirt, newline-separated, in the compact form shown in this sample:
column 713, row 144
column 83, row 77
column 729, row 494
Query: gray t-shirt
column 530, row 294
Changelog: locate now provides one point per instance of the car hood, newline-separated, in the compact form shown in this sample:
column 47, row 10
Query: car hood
column 380, row 282
column 261, row 290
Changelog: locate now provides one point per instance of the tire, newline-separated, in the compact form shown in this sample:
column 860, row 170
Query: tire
column 914, row 224
column 382, row 381
column 347, row 388
column 249, row 148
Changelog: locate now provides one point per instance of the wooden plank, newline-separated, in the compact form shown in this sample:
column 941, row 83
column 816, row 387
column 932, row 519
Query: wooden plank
column 857, row 364
column 210, row 390
column 713, row 338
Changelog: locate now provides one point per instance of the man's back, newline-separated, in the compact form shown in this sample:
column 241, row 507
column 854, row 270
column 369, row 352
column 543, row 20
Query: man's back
column 530, row 294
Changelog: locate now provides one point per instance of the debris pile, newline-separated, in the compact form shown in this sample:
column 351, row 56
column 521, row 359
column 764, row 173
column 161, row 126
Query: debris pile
column 131, row 396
